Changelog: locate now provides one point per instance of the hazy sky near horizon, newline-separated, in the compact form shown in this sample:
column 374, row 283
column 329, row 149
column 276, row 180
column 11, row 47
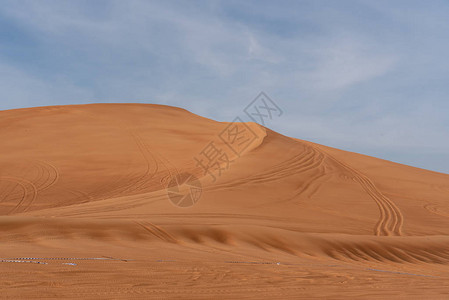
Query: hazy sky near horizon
column 365, row 76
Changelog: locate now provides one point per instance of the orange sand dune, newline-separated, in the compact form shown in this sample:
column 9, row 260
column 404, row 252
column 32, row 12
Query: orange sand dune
column 109, row 201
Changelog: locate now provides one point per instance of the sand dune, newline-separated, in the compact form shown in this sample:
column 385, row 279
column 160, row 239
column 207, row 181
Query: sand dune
column 109, row 201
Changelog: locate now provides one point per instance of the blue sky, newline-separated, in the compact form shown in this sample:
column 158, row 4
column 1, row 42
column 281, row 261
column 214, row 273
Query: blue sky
column 365, row 76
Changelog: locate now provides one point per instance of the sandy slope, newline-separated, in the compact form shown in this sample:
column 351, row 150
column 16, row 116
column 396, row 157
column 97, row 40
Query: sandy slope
column 286, row 219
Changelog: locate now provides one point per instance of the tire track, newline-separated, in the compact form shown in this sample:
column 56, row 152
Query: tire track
column 78, row 195
column 29, row 193
column 297, row 164
column 156, row 231
column 308, row 185
column 151, row 166
column 47, row 176
column 113, row 189
column 314, row 186
column 51, row 178
column 125, row 185
column 109, row 205
column 391, row 219
column 172, row 169
column 23, row 195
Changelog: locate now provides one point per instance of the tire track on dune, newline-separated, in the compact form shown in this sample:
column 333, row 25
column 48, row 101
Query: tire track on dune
column 52, row 175
column 310, row 183
column 156, row 231
column 29, row 193
column 46, row 176
column 101, row 208
column 40, row 173
column 23, row 195
column 114, row 188
column 154, row 160
column 315, row 185
column 391, row 218
column 20, row 169
column 275, row 172
column 313, row 180
column 147, row 182
column 125, row 185
column 6, row 192
column 170, row 168
column 78, row 194
column 169, row 176
column 297, row 164
column 151, row 169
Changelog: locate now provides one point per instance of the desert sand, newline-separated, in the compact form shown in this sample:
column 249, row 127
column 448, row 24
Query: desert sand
column 109, row 201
